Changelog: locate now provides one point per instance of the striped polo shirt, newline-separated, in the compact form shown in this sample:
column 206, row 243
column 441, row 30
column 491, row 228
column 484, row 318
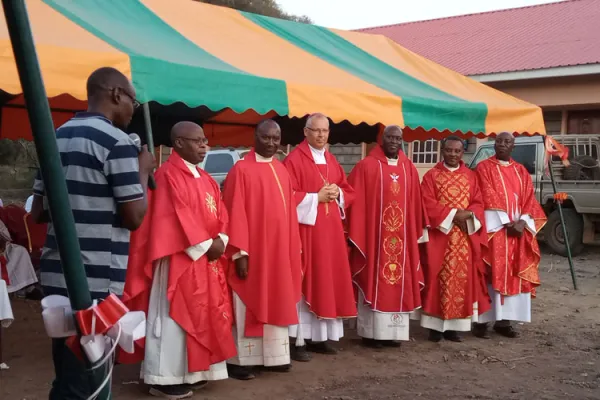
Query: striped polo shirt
column 100, row 163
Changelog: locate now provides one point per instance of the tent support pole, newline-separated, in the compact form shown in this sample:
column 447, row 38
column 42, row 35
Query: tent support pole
column 564, row 228
column 44, row 137
column 148, row 125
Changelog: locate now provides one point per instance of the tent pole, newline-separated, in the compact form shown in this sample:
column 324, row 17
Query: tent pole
column 148, row 125
column 562, row 222
column 44, row 137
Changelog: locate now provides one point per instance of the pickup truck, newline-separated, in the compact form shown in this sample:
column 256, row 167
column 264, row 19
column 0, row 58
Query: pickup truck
column 580, row 180
column 217, row 163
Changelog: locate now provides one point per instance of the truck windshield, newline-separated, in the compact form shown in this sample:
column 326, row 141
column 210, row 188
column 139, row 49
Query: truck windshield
column 523, row 154
column 218, row 163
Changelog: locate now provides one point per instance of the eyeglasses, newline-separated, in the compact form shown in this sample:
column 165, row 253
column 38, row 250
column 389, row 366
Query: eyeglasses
column 134, row 102
column 199, row 142
column 317, row 130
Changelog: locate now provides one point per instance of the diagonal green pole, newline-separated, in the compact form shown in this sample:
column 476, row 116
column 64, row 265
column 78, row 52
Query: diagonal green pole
column 148, row 125
column 562, row 222
column 40, row 117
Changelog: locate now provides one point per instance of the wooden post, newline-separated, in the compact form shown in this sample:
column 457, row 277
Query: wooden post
column 363, row 150
column 564, row 122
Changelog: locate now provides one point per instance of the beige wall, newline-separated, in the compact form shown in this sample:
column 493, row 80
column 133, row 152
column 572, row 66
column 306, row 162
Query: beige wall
column 568, row 92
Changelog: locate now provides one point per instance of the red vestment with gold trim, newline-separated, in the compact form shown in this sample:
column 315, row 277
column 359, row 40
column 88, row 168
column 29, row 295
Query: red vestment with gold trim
column 452, row 265
column 264, row 224
column 508, row 188
column 384, row 226
column 327, row 284
column 183, row 211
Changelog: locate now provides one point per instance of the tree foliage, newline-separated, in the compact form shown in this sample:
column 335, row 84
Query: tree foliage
column 269, row 8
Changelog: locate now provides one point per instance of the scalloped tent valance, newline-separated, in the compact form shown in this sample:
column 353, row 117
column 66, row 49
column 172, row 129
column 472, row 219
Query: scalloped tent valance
column 239, row 67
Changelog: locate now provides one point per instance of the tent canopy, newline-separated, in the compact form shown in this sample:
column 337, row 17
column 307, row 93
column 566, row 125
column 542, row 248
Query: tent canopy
column 232, row 69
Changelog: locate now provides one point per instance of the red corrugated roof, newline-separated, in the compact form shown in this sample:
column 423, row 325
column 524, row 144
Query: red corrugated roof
column 543, row 36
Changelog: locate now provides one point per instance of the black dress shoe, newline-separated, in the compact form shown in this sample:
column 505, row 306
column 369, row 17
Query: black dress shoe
column 452, row 336
column 240, row 373
column 435, row 336
column 391, row 343
column 372, row 343
column 321, row 348
column 279, row 368
column 481, row 331
column 197, row 386
column 507, row 331
column 172, row 392
column 299, row 354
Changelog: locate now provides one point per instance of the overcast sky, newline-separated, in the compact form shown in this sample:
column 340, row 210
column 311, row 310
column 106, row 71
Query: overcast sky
column 354, row 14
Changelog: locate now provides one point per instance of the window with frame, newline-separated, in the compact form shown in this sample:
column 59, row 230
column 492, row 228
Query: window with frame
column 425, row 152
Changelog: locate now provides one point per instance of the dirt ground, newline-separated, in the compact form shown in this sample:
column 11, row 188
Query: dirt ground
column 557, row 357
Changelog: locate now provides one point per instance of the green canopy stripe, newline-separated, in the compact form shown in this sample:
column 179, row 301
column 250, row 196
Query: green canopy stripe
column 166, row 66
column 422, row 104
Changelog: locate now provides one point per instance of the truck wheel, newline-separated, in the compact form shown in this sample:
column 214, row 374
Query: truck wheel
column 554, row 236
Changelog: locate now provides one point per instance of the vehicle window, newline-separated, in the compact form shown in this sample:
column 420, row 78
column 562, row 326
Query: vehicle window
column 525, row 154
column 218, row 163
column 482, row 154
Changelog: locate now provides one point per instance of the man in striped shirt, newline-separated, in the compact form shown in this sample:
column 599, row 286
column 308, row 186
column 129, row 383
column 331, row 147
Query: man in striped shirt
column 106, row 177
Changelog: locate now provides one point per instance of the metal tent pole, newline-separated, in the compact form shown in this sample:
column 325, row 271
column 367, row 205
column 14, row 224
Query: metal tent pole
column 40, row 117
column 562, row 222
column 148, row 125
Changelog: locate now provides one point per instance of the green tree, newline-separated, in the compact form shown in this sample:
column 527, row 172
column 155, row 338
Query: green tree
column 270, row 8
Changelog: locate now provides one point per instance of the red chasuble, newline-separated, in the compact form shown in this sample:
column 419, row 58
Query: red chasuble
column 514, row 261
column 264, row 224
column 184, row 211
column 452, row 264
column 327, row 284
column 384, row 226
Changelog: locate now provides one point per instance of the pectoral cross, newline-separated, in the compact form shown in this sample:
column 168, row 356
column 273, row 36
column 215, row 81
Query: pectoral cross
column 249, row 347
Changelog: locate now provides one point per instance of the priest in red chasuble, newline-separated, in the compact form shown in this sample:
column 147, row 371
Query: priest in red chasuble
column 455, row 286
column 322, row 196
column 176, row 273
column 264, row 246
column 513, row 218
column 385, row 224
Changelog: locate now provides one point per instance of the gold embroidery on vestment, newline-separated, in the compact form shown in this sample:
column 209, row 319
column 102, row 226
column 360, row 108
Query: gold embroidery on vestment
column 211, row 204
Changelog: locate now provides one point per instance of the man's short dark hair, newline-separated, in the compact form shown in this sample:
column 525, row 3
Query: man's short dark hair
column 266, row 124
column 105, row 78
column 452, row 138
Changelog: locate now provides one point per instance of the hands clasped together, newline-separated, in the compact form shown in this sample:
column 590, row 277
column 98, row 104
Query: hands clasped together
column 329, row 193
column 515, row 229
column 460, row 219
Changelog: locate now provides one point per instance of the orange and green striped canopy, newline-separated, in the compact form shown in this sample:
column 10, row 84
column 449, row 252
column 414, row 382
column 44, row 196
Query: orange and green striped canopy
column 204, row 55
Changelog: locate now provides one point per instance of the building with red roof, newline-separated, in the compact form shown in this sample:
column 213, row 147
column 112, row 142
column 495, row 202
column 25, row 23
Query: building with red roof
column 545, row 54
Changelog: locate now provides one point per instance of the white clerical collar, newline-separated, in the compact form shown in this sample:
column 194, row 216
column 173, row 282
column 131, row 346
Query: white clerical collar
column 451, row 169
column 193, row 168
column 318, row 155
column 262, row 159
column 504, row 163
column 392, row 161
